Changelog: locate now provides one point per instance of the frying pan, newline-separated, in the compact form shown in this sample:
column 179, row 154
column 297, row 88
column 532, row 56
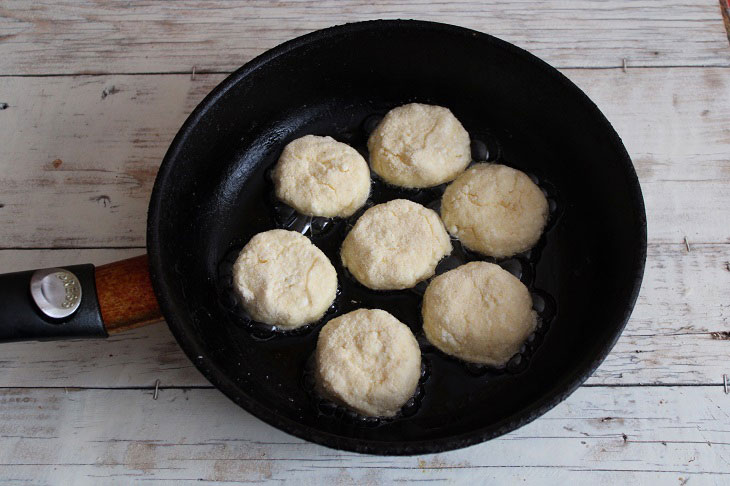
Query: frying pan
column 212, row 193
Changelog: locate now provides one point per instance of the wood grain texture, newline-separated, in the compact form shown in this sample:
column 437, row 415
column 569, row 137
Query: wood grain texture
column 67, row 147
column 70, row 154
column 126, row 297
column 725, row 9
column 601, row 435
column 669, row 339
column 74, row 37
column 78, row 156
column 18, row 260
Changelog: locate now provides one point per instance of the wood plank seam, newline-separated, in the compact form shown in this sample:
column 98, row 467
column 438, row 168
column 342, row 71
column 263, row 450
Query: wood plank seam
column 168, row 36
column 670, row 121
column 621, row 65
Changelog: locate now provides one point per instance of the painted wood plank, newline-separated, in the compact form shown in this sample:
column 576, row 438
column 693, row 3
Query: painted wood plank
column 87, row 159
column 19, row 260
column 77, row 167
column 599, row 435
column 677, row 333
column 108, row 36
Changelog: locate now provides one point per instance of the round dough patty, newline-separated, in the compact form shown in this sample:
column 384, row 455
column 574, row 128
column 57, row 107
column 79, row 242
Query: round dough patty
column 495, row 210
column 319, row 176
column 283, row 279
column 395, row 245
column 478, row 312
column 419, row 145
column 368, row 360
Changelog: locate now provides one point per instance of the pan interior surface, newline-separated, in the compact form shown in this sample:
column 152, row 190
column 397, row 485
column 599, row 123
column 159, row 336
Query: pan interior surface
column 213, row 194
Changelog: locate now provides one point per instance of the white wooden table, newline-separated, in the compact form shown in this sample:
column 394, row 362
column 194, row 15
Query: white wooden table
column 92, row 93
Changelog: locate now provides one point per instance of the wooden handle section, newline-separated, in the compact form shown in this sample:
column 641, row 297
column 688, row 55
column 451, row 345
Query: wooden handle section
column 126, row 297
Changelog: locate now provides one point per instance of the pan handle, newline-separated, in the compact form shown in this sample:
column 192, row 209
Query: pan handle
column 126, row 296
column 78, row 301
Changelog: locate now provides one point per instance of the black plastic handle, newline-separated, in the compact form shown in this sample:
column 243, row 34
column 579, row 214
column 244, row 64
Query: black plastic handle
column 21, row 320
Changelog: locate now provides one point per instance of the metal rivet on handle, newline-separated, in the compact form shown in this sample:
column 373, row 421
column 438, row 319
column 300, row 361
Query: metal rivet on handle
column 56, row 292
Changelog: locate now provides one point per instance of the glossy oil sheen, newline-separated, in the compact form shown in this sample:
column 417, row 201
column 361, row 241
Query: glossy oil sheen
column 212, row 194
column 328, row 235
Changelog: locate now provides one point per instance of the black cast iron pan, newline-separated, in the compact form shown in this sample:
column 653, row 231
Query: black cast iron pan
column 212, row 194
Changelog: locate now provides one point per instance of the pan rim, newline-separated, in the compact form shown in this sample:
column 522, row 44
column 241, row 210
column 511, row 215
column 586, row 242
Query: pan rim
column 558, row 392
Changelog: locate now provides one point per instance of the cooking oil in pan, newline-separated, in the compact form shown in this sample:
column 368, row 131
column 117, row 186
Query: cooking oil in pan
column 328, row 234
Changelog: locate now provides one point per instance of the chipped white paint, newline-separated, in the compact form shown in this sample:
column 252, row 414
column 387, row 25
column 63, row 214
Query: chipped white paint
column 600, row 435
column 100, row 156
column 90, row 146
column 106, row 36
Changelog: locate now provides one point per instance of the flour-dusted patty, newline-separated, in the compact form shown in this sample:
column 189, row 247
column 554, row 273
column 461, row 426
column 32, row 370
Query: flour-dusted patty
column 478, row 312
column 320, row 176
column 495, row 210
column 283, row 279
column 369, row 361
column 419, row 145
column 395, row 245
